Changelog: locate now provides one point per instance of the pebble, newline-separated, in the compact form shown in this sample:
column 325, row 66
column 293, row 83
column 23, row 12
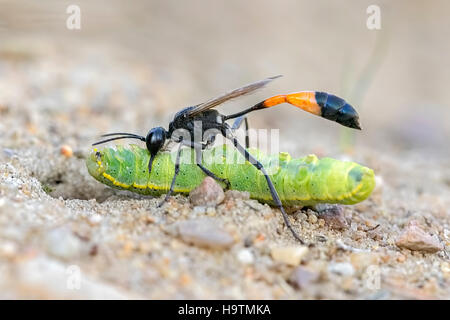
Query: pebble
column 348, row 284
column 245, row 256
column 209, row 193
column 341, row 268
column 301, row 277
column 62, row 243
column 8, row 152
column 312, row 218
column 289, row 255
column 95, row 219
column 416, row 239
column 358, row 235
column 199, row 210
column 204, row 232
column 234, row 194
column 445, row 268
column 211, row 211
column 66, row 151
column 8, row 249
column 333, row 216
column 341, row 245
column 375, row 234
column 362, row 260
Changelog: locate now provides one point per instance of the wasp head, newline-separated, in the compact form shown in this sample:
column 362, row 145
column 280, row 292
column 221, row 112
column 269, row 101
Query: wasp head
column 155, row 140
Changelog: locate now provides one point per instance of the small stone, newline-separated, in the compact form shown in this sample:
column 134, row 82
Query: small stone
column 235, row 194
column 204, row 232
column 401, row 258
column 341, row 268
column 66, row 151
column 185, row 280
column 149, row 219
column 379, row 183
column 302, row 277
column 416, row 239
column 245, row 256
column 319, row 266
column 95, row 219
column 62, row 243
column 211, row 211
column 333, row 216
column 199, row 210
column 375, row 234
column 8, row 152
column 312, row 218
column 289, row 255
column 358, row 235
column 362, row 260
column 259, row 238
column 209, row 193
column 303, row 216
column 348, row 284
column 248, row 241
column 8, row 249
column 445, row 268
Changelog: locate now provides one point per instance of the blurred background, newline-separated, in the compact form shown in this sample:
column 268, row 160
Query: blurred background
column 132, row 66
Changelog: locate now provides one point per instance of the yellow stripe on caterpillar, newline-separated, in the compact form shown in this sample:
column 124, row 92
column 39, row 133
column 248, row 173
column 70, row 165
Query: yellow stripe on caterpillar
column 115, row 182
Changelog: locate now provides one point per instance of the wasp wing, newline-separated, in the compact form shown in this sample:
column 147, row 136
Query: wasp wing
column 230, row 95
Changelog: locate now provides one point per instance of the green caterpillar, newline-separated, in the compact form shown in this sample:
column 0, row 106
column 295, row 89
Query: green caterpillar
column 304, row 181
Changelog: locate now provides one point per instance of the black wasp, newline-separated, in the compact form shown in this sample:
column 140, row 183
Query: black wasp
column 319, row 103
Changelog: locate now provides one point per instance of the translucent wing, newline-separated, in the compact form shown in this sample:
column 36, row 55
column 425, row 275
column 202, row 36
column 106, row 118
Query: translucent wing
column 230, row 95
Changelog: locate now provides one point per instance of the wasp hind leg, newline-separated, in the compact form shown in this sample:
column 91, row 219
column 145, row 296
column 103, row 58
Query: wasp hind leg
column 273, row 191
column 212, row 175
column 237, row 124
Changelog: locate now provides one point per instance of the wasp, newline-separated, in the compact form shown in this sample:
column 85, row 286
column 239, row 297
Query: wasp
column 199, row 138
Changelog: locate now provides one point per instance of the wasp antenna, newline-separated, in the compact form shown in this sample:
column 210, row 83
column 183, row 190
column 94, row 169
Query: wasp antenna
column 120, row 134
column 275, row 77
column 117, row 138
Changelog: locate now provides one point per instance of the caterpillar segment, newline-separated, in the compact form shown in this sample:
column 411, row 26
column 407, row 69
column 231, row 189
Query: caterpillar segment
column 303, row 181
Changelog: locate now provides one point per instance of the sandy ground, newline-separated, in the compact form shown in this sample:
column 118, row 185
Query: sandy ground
column 64, row 235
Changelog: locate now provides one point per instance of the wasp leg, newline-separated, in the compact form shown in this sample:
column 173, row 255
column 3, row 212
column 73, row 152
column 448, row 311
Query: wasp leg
column 198, row 158
column 237, row 124
column 209, row 142
column 177, row 170
column 272, row 189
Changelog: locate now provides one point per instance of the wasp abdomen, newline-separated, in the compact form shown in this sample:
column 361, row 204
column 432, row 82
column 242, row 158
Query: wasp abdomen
column 337, row 109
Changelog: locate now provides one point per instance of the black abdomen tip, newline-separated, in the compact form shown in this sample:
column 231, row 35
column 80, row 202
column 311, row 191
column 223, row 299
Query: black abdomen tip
column 347, row 116
column 337, row 109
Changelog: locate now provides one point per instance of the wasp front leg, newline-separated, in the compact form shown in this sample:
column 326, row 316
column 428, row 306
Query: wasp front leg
column 198, row 148
column 177, row 171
